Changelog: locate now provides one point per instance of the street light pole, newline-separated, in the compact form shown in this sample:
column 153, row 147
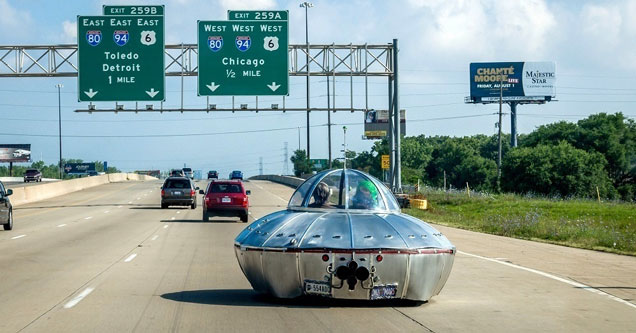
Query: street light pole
column 307, row 5
column 59, row 114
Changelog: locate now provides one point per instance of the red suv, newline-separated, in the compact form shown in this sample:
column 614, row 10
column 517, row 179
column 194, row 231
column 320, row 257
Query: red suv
column 225, row 198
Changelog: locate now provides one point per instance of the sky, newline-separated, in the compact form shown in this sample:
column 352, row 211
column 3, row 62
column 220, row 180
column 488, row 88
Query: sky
column 591, row 43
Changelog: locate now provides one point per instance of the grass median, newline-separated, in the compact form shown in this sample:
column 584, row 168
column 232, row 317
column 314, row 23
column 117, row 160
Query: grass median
column 588, row 224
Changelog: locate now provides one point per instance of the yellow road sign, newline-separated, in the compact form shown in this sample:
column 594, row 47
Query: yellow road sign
column 385, row 162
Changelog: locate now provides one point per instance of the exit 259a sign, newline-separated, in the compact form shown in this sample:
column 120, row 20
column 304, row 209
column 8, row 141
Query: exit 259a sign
column 121, row 58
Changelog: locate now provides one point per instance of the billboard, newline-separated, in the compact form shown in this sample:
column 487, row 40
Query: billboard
column 15, row 153
column 518, row 81
column 376, row 124
column 79, row 168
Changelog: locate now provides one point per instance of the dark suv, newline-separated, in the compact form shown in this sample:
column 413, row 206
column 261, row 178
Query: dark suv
column 212, row 174
column 6, row 211
column 32, row 175
column 178, row 191
column 225, row 198
column 236, row 174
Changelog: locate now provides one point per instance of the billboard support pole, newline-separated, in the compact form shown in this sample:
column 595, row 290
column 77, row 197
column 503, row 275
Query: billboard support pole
column 396, row 118
column 513, row 124
column 499, row 137
column 10, row 169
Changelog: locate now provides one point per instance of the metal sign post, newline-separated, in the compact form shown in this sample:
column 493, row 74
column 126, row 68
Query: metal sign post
column 121, row 57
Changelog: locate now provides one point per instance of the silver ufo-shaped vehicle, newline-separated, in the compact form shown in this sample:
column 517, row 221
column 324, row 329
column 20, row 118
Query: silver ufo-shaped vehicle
column 343, row 236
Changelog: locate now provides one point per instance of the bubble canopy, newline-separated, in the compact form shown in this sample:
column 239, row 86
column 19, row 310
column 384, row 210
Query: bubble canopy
column 343, row 189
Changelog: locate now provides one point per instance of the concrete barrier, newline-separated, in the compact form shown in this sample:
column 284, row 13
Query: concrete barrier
column 285, row 180
column 28, row 194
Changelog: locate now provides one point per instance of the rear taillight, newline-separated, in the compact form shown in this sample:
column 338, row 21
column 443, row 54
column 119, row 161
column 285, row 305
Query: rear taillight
column 163, row 193
column 244, row 201
column 192, row 193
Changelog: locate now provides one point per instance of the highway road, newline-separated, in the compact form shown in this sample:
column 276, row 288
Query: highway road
column 108, row 259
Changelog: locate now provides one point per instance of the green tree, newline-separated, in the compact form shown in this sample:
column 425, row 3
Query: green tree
column 560, row 170
column 300, row 162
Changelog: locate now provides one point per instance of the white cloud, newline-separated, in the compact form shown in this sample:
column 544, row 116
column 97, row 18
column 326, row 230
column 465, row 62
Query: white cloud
column 248, row 4
column 13, row 21
column 69, row 32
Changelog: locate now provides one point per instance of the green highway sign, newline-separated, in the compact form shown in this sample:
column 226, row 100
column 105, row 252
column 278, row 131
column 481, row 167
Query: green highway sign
column 133, row 10
column 121, row 58
column 243, row 58
column 258, row 15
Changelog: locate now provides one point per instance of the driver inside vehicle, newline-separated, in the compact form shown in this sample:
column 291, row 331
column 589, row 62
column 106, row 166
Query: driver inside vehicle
column 366, row 196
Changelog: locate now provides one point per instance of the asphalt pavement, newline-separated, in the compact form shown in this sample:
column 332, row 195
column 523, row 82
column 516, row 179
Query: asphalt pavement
column 108, row 259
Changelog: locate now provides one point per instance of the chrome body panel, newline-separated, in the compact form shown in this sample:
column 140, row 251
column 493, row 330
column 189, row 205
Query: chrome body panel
column 344, row 253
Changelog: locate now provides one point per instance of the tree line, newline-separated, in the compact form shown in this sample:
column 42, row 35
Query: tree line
column 51, row 170
column 594, row 156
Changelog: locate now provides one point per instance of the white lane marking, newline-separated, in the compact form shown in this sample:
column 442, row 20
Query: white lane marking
column 165, row 226
column 107, row 211
column 138, row 198
column 155, row 237
column 554, row 277
column 20, row 236
column 270, row 192
column 120, row 206
column 172, row 218
column 131, row 257
column 178, row 212
column 249, row 213
column 61, row 225
column 78, row 298
column 129, row 202
column 88, row 218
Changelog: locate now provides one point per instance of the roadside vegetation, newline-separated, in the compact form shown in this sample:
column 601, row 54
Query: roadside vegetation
column 51, row 170
column 582, row 223
column 566, row 183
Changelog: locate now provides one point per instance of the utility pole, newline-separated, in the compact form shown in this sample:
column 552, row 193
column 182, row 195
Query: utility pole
column 59, row 113
column 499, row 136
column 260, row 165
column 307, row 5
column 285, row 166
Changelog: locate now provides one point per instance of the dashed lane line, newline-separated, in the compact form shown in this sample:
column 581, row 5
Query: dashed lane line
column 19, row 236
column 78, row 298
column 131, row 257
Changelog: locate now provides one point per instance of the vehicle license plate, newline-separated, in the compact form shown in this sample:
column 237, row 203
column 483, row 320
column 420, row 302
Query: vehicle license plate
column 177, row 193
column 226, row 200
column 384, row 292
column 317, row 288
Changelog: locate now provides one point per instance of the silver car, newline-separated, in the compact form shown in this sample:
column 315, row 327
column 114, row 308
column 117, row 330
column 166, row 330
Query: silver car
column 6, row 211
column 343, row 236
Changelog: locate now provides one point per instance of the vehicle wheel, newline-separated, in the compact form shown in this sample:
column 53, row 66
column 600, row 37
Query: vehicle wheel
column 9, row 225
column 193, row 205
column 206, row 217
column 164, row 206
column 244, row 217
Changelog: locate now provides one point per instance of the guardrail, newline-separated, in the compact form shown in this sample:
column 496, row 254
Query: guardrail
column 28, row 194
column 285, row 180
